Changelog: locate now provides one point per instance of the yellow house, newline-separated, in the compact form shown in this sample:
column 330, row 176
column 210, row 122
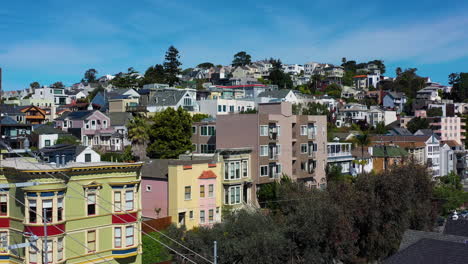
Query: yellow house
column 120, row 104
column 195, row 192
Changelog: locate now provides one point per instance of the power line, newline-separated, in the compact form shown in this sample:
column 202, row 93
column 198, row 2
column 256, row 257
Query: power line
column 139, row 229
column 120, row 208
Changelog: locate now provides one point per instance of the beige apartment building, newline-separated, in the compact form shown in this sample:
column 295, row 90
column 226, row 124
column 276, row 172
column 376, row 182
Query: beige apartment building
column 281, row 143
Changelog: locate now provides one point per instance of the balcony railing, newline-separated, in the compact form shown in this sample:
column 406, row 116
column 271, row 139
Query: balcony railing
column 136, row 108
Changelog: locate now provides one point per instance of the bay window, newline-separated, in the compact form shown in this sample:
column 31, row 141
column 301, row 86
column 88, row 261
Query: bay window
column 3, row 204
column 129, row 197
column 91, row 241
column 3, row 241
column 32, row 211
column 117, row 237
column 245, row 168
column 91, row 203
column 60, row 248
column 117, row 201
column 233, row 195
column 47, row 206
column 60, row 209
column 129, row 236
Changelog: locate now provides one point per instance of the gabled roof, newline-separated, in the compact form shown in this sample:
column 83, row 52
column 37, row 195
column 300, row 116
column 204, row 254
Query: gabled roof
column 282, row 93
column 78, row 115
column 207, row 175
column 166, row 97
column 156, row 169
column 6, row 120
column 395, row 95
column 451, row 143
column 401, row 131
column 10, row 109
column 425, row 132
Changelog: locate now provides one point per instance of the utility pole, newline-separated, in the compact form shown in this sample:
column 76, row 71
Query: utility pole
column 215, row 253
column 44, row 219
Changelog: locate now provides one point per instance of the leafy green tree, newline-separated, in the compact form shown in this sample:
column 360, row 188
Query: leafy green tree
column 333, row 90
column 380, row 129
column 172, row 65
column 67, row 139
column 436, row 111
column 241, row 59
column 205, row 65
column 154, row 74
column 417, row 123
column 34, row 85
column 138, row 134
column 57, row 85
column 278, row 77
column 90, row 76
column 170, row 134
column 450, row 191
column 459, row 81
column 199, row 117
column 153, row 251
column 130, row 79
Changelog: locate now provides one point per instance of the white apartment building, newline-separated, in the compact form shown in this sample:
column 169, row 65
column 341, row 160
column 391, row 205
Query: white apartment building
column 219, row 106
column 294, row 69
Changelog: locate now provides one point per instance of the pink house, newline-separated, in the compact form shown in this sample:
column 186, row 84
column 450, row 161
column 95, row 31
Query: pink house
column 207, row 202
column 92, row 127
column 154, row 189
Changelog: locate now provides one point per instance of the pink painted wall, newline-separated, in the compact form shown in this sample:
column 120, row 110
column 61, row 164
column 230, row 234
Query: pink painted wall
column 208, row 203
column 155, row 198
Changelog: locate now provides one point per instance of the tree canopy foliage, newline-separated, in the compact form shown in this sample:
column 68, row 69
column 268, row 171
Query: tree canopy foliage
column 170, row 134
column 90, row 76
column 57, row 85
column 358, row 222
column 130, row 79
column 417, row 123
column 172, row 65
column 278, row 77
column 205, row 65
column 34, row 85
column 460, row 86
column 241, row 59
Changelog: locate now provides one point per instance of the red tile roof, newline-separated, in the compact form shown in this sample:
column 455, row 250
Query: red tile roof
column 360, row 76
column 207, row 175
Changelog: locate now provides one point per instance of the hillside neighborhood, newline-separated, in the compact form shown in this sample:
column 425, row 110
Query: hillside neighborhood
column 149, row 167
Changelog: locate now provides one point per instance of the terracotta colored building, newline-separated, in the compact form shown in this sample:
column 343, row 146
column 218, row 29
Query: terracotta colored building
column 281, row 143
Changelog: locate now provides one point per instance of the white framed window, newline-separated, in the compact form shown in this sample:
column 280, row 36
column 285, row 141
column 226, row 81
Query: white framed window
column 4, row 240
column 303, row 130
column 202, row 216
column 211, row 190
column 91, row 201
column 148, row 188
column 60, row 209
column 304, row 148
column 211, row 215
column 117, row 237
column 117, row 201
column 129, row 236
column 104, row 123
column 3, row 204
column 194, row 130
column 91, row 241
column 263, row 150
column 50, row 251
column 47, row 206
column 32, row 255
column 264, row 170
column 60, row 248
column 278, row 149
column 245, row 168
column 232, row 195
column 278, row 130
column 188, row 192
column 263, row 131
column 93, row 124
column 129, row 200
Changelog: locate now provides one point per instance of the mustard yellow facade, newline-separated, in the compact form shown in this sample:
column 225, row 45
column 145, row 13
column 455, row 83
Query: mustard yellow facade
column 195, row 193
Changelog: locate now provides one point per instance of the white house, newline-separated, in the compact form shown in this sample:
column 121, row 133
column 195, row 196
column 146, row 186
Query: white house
column 174, row 98
column 224, row 106
column 86, row 154
column 294, row 69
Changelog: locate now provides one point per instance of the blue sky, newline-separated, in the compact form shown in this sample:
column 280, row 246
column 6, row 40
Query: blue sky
column 53, row 40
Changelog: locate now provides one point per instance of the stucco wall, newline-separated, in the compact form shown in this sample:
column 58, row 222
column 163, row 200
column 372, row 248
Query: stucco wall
column 154, row 198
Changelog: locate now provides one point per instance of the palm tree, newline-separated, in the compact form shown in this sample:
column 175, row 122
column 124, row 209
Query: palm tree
column 138, row 135
column 362, row 140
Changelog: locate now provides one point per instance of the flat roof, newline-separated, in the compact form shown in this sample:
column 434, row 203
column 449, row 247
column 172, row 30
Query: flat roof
column 31, row 164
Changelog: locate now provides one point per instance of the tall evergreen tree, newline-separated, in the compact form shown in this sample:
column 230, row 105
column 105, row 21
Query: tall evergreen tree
column 172, row 65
